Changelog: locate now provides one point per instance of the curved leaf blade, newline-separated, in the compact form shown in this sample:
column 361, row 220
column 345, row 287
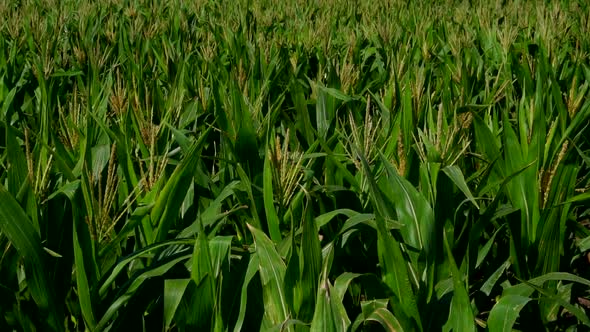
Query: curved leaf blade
column 505, row 312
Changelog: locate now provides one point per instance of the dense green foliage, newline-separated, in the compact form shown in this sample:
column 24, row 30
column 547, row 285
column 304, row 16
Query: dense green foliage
column 300, row 165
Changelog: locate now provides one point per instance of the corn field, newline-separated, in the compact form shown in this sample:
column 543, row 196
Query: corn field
column 328, row 165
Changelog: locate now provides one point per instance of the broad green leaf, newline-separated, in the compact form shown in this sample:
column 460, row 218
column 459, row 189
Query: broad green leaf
column 120, row 266
column 505, row 312
column 292, row 284
column 247, row 185
column 407, row 121
column 412, row 210
column 15, row 156
column 455, row 174
column 461, row 316
column 83, row 276
column 578, row 198
column 213, row 211
column 329, row 314
column 564, row 292
column 69, row 189
column 485, row 140
column 523, row 190
column 552, row 226
column 170, row 199
column 386, row 319
column 272, row 272
column 335, row 93
column 325, row 218
column 550, row 298
column 342, row 282
column 584, row 244
column 134, row 285
column 219, row 248
column 311, row 263
column 16, row 226
column 364, row 218
column 368, row 307
column 173, row 292
column 83, row 254
column 201, row 262
column 494, row 277
column 395, row 274
column 100, row 158
column 182, row 140
column 525, row 289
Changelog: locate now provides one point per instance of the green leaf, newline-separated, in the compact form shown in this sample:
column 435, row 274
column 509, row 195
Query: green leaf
column 386, row 319
column 253, row 266
column 201, row 263
column 342, row 282
column 247, row 185
column 272, row 272
column 505, row 312
column 311, row 263
column 526, row 289
column 173, row 292
column 213, row 211
column 134, row 285
column 483, row 252
column 219, row 248
column 329, row 314
column 454, row 173
column 578, row 198
column 488, row 285
column 166, row 207
column 17, row 170
column 485, row 139
column 338, row 94
column 69, row 189
column 83, row 276
column 120, row 266
column 16, row 226
column 461, row 316
column 550, row 298
column 412, row 210
column 272, row 218
column 395, row 274
column 325, row 218
column 100, row 155
column 584, row 244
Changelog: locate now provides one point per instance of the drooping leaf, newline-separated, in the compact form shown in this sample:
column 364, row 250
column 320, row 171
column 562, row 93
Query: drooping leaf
column 505, row 312
column 118, row 304
column 456, row 175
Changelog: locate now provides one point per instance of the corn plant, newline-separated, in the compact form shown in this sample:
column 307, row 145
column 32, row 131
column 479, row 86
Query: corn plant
column 294, row 166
